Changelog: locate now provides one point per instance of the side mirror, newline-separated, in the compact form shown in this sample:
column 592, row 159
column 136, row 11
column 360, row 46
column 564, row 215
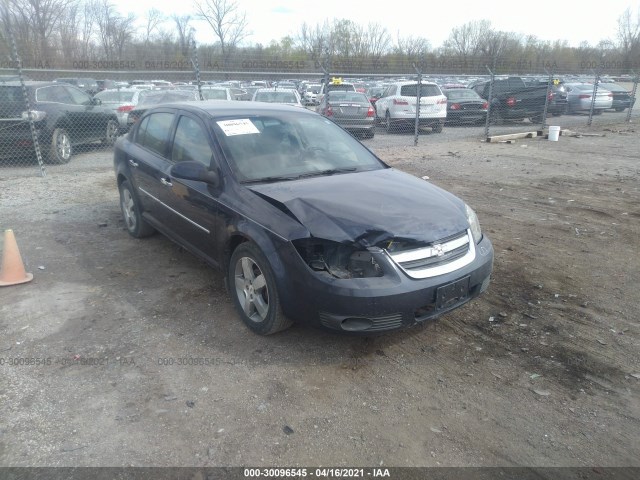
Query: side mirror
column 195, row 171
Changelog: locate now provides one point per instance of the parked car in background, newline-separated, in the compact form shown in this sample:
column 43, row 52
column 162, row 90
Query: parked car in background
column 89, row 85
column 622, row 98
column 305, row 222
column 580, row 95
column 351, row 110
column 216, row 93
column 512, row 99
column 374, row 93
column 398, row 103
column 276, row 95
column 63, row 116
column 156, row 97
column 465, row 106
column 310, row 93
column 121, row 101
column 106, row 84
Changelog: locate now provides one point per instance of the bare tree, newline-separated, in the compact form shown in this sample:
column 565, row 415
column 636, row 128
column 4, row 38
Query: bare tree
column 465, row 40
column 629, row 35
column 154, row 19
column 183, row 30
column 379, row 42
column 114, row 30
column 227, row 22
column 39, row 20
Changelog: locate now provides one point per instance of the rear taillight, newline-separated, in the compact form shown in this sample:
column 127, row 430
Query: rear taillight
column 485, row 105
column 371, row 112
column 454, row 106
column 328, row 111
column 125, row 108
column 550, row 96
column 511, row 101
column 400, row 102
column 584, row 95
column 442, row 101
column 610, row 95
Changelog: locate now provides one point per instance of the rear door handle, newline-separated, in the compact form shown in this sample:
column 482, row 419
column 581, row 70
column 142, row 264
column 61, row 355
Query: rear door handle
column 166, row 182
column 133, row 163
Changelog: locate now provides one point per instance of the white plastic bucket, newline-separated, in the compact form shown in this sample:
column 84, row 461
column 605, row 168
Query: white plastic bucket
column 554, row 133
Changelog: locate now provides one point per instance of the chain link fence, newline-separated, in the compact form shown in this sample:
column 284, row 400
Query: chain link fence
column 52, row 111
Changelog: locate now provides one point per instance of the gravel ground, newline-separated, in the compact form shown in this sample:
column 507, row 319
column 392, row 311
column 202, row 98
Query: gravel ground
column 146, row 363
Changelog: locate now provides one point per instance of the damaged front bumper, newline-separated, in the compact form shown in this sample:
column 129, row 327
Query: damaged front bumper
column 388, row 302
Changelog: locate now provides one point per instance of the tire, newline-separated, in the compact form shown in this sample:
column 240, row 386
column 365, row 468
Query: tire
column 437, row 128
column 253, row 290
column 387, row 122
column 536, row 119
column 130, row 207
column 620, row 109
column 111, row 133
column 60, row 149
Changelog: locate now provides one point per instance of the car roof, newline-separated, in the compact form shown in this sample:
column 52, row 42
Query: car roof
column 411, row 82
column 224, row 108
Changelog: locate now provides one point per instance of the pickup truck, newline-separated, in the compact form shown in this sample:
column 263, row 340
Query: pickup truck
column 512, row 99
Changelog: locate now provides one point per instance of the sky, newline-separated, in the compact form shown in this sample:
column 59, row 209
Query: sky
column 571, row 20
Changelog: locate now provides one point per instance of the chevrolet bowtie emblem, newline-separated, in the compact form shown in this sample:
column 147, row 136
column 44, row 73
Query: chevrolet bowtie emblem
column 437, row 250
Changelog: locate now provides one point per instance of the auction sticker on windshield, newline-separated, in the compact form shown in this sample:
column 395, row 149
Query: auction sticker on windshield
column 242, row 126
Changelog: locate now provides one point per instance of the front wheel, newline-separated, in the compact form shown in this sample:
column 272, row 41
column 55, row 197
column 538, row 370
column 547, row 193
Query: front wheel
column 60, row 148
column 253, row 290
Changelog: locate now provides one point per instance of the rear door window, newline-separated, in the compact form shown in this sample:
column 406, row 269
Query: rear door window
column 153, row 132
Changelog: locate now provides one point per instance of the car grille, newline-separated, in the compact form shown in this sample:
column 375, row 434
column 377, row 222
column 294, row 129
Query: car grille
column 437, row 258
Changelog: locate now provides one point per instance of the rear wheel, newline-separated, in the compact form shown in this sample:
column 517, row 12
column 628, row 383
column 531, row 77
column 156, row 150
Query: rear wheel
column 619, row 109
column 60, row 148
column 111, row 133
column 437, row 128
column 131, row 212
column 387, row 122
column 253, row 290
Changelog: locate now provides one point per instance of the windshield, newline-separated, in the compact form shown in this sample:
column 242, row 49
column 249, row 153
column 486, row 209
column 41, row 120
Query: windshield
column 165, row 97
column 462, row 94
column 289, row 146
column 276, row 97
column 214, row 94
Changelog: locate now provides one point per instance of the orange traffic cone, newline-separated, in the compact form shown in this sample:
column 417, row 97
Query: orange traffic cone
column 12, row 271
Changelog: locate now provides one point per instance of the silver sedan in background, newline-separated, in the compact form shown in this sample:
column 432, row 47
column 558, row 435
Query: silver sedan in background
column 121, row 101
column 579, row 98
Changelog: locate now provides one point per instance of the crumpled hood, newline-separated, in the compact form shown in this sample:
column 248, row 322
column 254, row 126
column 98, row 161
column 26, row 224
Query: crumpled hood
column 369, row 207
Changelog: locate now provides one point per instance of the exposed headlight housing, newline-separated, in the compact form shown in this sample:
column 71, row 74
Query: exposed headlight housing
column 340, row 260
column 35, row 115
column 474, row 223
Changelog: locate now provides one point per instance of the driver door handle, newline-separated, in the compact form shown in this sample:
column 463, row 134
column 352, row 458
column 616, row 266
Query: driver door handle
column 133, row 163
column 166, row 182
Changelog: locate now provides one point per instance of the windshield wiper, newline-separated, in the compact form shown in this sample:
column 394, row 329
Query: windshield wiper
column 270, row 179
column 330, row 171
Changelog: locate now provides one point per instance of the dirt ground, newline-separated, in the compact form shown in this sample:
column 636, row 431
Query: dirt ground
column 126, row 352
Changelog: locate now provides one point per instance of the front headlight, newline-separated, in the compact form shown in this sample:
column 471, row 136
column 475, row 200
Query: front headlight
column 474, row 223
column 338, row 259
column 33, row 115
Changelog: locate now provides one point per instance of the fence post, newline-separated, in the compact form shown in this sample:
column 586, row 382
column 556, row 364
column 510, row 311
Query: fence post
column 596, row 81
column 486, row 124
column 34, row 135
column 546, row 102
column 416, row 131
column 633, row 95
column 196, row 67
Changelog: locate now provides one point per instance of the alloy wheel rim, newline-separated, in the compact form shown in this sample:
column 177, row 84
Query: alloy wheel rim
column 128, row 209
column 64, row 146
column 251, row 289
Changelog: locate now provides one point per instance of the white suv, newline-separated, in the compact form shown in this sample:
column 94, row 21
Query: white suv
column 397, row 105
